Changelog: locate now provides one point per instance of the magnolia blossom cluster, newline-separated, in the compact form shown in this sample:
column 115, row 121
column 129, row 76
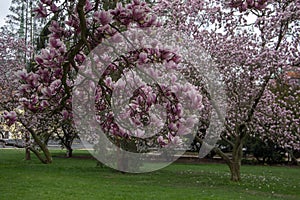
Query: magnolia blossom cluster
column 12, row 56
column 279, row 122
column 43, row 87
column 45, row 7
column 162, row 110
column 48, row 86
column 10, row 117
column 243, row 5
column 13, row 52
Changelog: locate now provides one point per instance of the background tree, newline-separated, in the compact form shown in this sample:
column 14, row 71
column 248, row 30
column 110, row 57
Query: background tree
column 251, row 43
column 278, row 115
column 12, row 52
column 22, row 23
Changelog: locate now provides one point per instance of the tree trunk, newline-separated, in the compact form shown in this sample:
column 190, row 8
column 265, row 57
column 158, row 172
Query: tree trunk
column 27, row 149
column 237, row 155
column 46, row 159
column 235, row 164
column 69, row 152
column 47, row 155
column 294, row 160
column 235, row 170
column 43, row 146
column 27, row 154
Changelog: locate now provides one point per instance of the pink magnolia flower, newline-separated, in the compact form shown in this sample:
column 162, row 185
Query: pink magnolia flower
column 88, row 6
column 173, row 126
column 161, row 141
column 103, row 17
column 65, row 114
column 47, row 2
column 41, row 11
column 55, row 85
column 143, row 57
column 79, row 58
column 176, row 140
column 53, row 8
column 55, row 43
column 22, row 74
column 44, row 104
column 11, row 117
column 47, row 92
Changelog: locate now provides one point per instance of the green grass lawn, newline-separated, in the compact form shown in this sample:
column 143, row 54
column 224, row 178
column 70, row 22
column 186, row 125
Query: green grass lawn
column 81, row 179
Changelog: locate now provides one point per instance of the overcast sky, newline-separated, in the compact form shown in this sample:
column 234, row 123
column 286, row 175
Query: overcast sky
column 4, row 5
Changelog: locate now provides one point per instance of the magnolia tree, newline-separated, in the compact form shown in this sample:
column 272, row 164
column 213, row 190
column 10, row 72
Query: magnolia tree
column 11, row 60
column 47, row 90
column 251, row 42
column 34, row 128
column 12, row 53
column 277, row 118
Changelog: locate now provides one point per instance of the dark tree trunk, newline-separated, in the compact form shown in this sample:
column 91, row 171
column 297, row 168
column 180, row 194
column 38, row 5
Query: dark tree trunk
column 237, row 155
column 69, row 152
column 27, row 154
column 294, row 160
column 27, row 149
column 234, row 163
column 47, row 158
column 235, row 170
column 47, row 154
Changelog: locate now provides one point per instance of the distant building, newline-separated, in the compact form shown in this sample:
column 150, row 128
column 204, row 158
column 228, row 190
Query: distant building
column 4, row 134
column 293, row 77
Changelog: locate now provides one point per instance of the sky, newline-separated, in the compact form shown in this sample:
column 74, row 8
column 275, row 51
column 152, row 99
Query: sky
column 4, row 5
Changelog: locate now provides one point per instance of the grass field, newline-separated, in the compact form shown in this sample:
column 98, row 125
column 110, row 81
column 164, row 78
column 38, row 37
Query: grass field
column 80, row 179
